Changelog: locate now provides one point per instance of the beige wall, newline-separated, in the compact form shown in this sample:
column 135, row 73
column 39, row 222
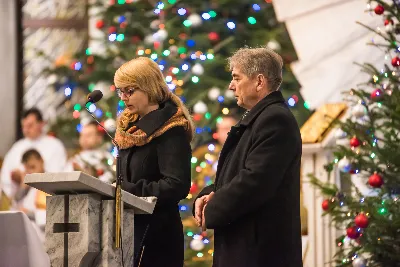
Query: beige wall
column 8, row 86
column 328, row 42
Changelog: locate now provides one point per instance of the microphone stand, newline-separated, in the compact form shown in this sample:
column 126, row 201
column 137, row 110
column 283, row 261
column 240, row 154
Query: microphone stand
column 118, row 193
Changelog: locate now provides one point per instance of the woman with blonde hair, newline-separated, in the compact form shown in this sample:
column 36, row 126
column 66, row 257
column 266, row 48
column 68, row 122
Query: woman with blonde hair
column 154, row 134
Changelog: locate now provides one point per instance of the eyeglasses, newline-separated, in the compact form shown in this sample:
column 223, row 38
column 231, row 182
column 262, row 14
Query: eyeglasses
column 127, row 92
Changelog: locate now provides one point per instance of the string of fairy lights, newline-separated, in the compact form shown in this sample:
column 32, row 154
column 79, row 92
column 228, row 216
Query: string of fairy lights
column 189, row 69
column 189, row 65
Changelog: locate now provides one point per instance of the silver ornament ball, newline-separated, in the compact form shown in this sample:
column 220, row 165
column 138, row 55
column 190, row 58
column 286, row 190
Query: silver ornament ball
column 195, row 19
column 198, row 69
column 274, row 45
column 110, row 125
column 160, row 35
column 359, row 262
column 200, row 107
column 214, row 93
column 196, row 244
column 359, row 110
column 344, row 165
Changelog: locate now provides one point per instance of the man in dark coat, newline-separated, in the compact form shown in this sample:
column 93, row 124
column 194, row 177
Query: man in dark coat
column 254, row 205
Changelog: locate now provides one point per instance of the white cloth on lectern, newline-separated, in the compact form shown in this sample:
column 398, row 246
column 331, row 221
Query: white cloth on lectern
column 50, row 148
column 20, row 246
column 39, row 215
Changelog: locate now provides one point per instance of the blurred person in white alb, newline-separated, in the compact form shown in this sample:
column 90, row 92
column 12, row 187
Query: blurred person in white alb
column 50, row 148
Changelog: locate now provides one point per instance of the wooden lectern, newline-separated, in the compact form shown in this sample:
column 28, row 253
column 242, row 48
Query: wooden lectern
column 80, row 219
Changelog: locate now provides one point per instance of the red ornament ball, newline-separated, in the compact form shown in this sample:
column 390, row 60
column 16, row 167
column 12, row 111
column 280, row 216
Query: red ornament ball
column 352, row 232
column 193, row 188
column 112, row 29
column 156, row 45
column 376, row 94
column 135, row 39
column 325, row 205
column 354, row 142
column 396, row 62
column 361, row 220
column 99, row 24
column 375, row 180
column 213, row 36
column 379, row 10
column 197, row 117
column 101, row 129
column 76, row 114
column 388, row 21
column 183, row 36
column 72, row 66
column 123, row 25
column 100, row 172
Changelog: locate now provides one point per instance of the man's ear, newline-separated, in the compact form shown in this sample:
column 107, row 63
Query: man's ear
column 261, row 82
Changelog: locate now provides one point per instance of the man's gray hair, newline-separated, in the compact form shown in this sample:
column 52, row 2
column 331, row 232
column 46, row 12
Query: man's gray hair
column 260, row 60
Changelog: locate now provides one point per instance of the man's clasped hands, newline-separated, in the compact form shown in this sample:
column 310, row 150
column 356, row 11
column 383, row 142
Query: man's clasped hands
column 200, row 206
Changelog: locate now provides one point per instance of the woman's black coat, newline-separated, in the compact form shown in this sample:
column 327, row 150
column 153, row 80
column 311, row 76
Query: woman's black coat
column 160, row 168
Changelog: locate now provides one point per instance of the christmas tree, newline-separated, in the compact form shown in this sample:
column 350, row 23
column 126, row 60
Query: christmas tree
column 368, row 149
column 190, row 40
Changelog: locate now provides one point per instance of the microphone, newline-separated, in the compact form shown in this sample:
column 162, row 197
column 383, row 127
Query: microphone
column 94, row 96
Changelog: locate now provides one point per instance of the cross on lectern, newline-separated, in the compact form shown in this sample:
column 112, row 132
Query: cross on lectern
column 66, row 228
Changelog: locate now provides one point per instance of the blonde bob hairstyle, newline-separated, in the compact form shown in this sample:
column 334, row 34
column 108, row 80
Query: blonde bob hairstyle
column 144, row 74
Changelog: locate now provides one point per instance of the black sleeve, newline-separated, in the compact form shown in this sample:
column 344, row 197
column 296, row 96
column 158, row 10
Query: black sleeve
column 275, row 145
column 174, row 155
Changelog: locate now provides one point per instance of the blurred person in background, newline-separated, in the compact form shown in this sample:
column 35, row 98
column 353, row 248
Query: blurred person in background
column 93, row 159
column 224, row 126
column 28, row 199
column 50, row 148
